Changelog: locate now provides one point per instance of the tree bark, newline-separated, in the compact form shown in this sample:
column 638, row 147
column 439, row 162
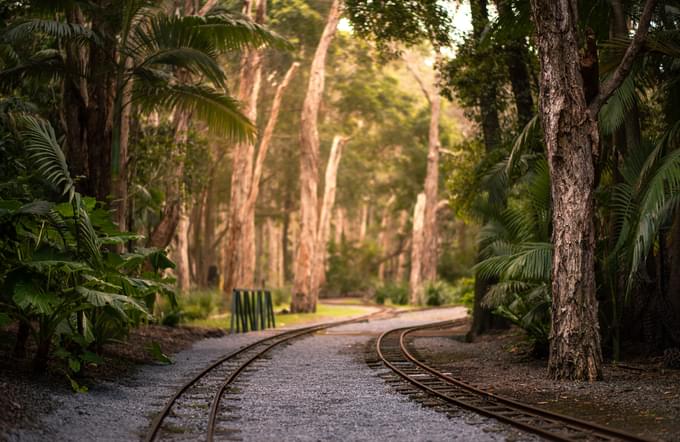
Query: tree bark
column 324, row 230
column 304, row 293
column 416, row 288
column 571, row 137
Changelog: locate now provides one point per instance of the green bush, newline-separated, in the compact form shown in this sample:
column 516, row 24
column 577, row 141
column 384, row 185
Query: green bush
column 396, row 293
column 443, row 293
column 351, row 268
column 281, row 296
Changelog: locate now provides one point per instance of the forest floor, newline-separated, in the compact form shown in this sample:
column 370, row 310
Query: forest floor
column 637, row 395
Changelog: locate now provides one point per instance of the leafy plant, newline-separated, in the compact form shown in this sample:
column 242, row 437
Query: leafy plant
column 60, row 275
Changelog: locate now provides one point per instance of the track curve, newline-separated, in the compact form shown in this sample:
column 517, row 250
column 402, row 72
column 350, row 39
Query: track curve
column 394, row 353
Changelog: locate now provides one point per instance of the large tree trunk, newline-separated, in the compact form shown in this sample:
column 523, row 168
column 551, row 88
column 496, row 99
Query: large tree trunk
column 517, row 58
column 363, row 224
column 324, row 231
column 571, row 137
column 304, row 293
column 482, row 318
column 416, row 288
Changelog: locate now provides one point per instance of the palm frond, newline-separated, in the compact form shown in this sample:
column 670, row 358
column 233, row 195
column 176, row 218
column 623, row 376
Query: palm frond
column 220, row 112
column 232, row 31
column 526, row 138
column 57, row 29
column 44, row 151
column 613, row 113
column 43, row 66
column 193, row 60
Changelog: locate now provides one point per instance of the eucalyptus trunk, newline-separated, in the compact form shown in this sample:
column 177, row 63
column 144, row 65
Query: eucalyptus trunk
column 416, row 288
column 327, row 203
column 304, row 293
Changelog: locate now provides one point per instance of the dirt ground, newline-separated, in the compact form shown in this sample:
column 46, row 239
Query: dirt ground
column 23, row 396
column 638, row 396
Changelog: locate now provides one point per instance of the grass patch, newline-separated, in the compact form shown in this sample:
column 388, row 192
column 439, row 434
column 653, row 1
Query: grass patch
column 323, row 312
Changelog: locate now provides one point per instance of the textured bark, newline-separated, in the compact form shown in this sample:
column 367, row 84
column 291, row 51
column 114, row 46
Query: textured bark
column 274, row 255
column 304, row 293
column 416, row 288
column 571, row 138
column 327, row 203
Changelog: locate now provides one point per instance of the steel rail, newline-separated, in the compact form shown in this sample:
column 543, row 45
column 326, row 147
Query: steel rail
column 498, row 407
column 279, row 338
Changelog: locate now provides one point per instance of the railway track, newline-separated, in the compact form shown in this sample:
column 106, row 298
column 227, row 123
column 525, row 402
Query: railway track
column 444, row 391
column 193, row 412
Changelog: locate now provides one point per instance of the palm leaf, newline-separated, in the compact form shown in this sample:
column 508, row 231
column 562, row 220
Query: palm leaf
column 220, row 112
column 43, row 149
column 22, row 31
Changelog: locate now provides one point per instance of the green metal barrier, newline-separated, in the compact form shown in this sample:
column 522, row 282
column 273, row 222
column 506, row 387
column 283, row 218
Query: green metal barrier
column 251, row 310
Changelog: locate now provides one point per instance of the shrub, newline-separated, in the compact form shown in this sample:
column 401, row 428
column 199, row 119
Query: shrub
column 396, row 293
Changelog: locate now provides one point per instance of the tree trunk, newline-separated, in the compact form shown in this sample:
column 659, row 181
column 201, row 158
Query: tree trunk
column 430, row 236
column 181, row 251
column 339, row 225
column 482, row 318
column 324, row 231
column 304, row 293
column 571, row 137
column 416, row 281
column 517, row 57
column 384, row 237
column 164, row 231
column 401, row 259
column 363, row 225
column 239, row 250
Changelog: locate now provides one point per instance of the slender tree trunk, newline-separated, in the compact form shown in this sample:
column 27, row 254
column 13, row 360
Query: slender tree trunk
column 181, row 251
column 384, row 237
column 304, row 293
column 363, row 224
column 417, row 290
column 339, row 224
column 401, row 259
column 430, row 235
column 571, row 137
column 163, row 233
column 324, row 231
column 239, row 247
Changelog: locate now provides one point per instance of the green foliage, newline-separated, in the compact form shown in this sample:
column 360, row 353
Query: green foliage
column 395, row 293
column 351, row 268
column 59, row 271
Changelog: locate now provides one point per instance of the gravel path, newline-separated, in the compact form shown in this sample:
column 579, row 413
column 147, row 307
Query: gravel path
column 294, row 397
column 317, row 388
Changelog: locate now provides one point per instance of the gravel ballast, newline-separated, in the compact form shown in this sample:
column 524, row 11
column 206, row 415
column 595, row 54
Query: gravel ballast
column 317, row 388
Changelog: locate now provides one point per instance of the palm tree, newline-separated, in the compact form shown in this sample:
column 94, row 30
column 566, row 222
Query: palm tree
column 111, row 55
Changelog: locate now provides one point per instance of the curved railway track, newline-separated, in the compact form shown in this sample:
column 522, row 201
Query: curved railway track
column 447, row 391
column 184, row 415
